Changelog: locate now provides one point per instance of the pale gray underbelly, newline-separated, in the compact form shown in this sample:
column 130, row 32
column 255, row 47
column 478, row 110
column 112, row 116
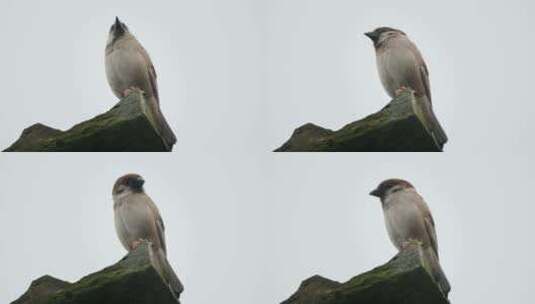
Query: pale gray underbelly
column 396, row 70
column 126, row 69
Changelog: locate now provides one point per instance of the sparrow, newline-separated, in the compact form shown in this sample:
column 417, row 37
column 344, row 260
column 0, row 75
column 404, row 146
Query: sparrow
column 408, row 218
column 129, row 68
column 401, row 67
column 137, row 219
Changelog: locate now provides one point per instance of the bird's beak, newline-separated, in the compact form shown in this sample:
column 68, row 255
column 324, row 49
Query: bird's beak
column 117, row 21
column 375, row 193
column 371, row 35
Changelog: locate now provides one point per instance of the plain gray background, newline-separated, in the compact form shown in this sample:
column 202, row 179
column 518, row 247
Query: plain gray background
column 236, row 77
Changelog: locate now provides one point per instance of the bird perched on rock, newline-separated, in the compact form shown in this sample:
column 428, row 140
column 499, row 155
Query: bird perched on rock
column 408, row 218
column 137, row 219
column 129, row 68
column 402, row 67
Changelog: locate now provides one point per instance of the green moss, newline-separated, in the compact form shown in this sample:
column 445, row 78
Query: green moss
column 397, row 127
column 131, row 280
column 402, row 280
column 109, row 285
column 129, row 126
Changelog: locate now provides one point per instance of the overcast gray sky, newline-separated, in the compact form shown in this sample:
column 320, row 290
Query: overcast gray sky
column 236, row 77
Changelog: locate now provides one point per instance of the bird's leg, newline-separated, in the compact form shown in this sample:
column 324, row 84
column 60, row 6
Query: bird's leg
column 407, row 243
column 410, row 243
column 402, row 89
column 136, row 243
column 127, row 92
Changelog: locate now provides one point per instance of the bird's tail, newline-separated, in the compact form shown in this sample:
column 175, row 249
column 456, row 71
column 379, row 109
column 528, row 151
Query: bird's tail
column 432, row 123
column 163, row 127
column 436, row 271
column 167, row 273
column 436, row 129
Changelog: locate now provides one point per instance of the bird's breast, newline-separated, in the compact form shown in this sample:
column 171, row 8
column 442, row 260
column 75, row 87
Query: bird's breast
column 395, row 65
column 403, row 220
column 125, row 68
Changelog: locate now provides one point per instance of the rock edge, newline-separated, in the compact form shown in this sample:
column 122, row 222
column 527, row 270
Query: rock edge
column 404, row 279
column 130, row 126
column 131, row 280
column 398, row 127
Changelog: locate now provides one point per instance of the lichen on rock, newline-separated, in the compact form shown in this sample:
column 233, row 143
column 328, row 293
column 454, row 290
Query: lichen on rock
column 404, row 279
column 398, row 127
column 131, row 280
column 128, row 127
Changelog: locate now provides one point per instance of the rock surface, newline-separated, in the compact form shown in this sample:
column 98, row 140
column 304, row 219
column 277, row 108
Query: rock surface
column 128, row 127
column 41, row 290
column 132, row 280
column 405, row 279
column 399, row 127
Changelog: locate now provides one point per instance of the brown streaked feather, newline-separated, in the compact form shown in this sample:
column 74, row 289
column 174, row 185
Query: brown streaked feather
column 417, row 78
column 429, row 222
column 430, row 227
column 152, row 73
column 160, row 228
column 154, row 84
column 420, row 76
column 164, row 127
column 424, row 74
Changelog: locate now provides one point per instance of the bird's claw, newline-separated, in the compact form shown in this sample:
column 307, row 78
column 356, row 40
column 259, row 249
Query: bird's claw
column 130, row 90
column 403, row 89
column 136, row 243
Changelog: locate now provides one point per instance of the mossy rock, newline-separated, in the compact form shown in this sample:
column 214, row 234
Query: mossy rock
column 399, row 127
column 128, row 127
column 41, row 290
column 403, row 280
column 133, row 280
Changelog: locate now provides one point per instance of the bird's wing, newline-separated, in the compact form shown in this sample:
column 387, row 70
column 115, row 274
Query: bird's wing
column 424, row 74
column 160, row 228
column 428, row 221
column 153, row 83
column 151, row 71
column 165, row 129
column 430, row 227
column 421, row 81
column 422, row 71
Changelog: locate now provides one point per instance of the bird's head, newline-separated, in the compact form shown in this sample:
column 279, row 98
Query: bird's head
column 381, row 34
column 129, row 183
column 117, row 30
column 390, row 186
